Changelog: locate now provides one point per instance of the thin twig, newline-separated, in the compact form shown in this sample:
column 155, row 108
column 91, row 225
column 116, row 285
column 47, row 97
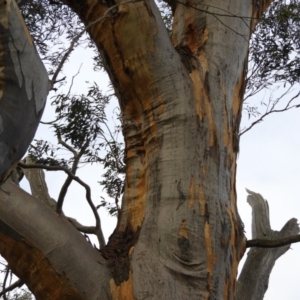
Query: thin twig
column 72, row 80
column 99, row 232
column 13, row 286
column 4, row 283
column 49, row 123
column 286, row 108
column 113, row 153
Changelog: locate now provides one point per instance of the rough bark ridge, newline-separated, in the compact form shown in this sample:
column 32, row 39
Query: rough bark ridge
column 179, row 235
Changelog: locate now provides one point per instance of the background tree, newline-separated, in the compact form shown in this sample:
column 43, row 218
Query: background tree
column 179, row 138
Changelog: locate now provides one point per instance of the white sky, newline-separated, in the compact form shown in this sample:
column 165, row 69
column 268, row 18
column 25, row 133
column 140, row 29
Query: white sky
column 268, row 163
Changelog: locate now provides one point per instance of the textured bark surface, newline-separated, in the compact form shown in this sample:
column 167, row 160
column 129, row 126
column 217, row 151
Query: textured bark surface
column 23, row 87
column 179, row 235
column 254, row 278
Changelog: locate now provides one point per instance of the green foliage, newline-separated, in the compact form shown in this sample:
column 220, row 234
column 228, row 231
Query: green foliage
column 50, row 24
column 79, row 118
column 113, row 178
column 275, row 47
column 22, row 294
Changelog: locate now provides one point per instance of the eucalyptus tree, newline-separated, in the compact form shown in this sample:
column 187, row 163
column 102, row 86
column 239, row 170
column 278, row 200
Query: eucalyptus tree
column 181, row 94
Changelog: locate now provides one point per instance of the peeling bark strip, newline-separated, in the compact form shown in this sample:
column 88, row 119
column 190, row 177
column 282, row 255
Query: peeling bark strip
column 254, row 278
column 23, row 87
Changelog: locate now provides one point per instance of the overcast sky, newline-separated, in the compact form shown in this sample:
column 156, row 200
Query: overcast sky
column 268, row 163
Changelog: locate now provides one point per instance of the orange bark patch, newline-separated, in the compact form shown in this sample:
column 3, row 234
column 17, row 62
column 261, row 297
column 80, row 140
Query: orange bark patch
column 226, row 133
column 192, row 36
column 203, row 39
column 191, row 192
column 29, row 263
column 200, row 96
column 203, row 170
column 122, row 292
column 136, row 203
column 197, row 93
column 211, row 259
column 161, row 105
column 201, row 200
column 237, row 253
column 234, row 265
column 238, row 95
column 183, row 231
column 203, row 62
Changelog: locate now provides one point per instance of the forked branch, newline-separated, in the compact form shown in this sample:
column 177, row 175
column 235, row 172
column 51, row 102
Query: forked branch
column 98, row 230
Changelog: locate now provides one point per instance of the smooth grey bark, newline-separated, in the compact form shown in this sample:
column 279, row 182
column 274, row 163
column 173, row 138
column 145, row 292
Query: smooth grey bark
column 254, row 278
column 64, row 247
column 23, row 88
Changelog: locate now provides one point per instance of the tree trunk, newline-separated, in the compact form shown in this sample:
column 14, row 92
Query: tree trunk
column 23, row 88
column 179, row 235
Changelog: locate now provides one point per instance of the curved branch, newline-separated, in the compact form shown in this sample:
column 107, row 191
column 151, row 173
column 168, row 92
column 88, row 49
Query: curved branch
column 82, row 228
column 99, row 232
column 273, row 243
column 68, row 181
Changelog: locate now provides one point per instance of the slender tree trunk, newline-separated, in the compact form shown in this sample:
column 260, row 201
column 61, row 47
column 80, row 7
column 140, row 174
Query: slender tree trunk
column 179, row 235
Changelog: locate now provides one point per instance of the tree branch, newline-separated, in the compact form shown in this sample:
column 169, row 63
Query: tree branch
column 273, row 243
column 98, row 230
column 272, row 110
column 69, row 179
column 38, row 185
column 82, row 228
